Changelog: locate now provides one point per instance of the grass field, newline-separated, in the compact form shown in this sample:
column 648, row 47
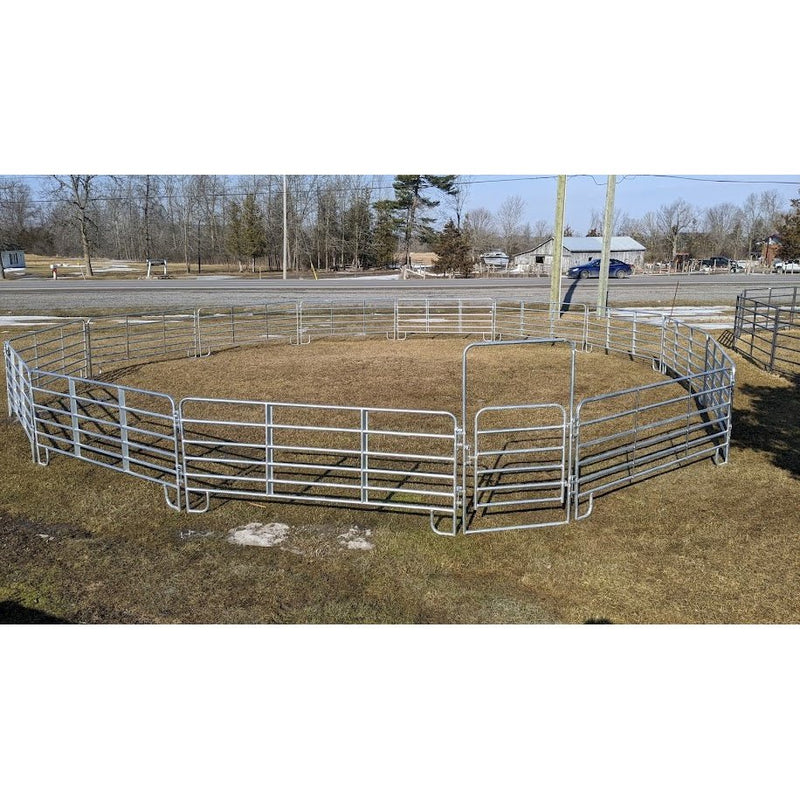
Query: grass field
column 102, row 268
column 702, row 544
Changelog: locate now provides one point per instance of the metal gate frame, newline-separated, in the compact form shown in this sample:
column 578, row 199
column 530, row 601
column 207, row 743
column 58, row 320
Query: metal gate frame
column 470, row 454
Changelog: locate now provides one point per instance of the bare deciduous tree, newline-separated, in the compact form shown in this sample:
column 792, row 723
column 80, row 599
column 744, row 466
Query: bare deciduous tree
column 79, row 192
column 674, row 221
column 722, row 224
column 509, row 222
column 479, row 223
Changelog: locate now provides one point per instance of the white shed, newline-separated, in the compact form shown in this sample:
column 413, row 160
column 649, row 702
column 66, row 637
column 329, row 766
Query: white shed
column 579, row 250
column 12, row 258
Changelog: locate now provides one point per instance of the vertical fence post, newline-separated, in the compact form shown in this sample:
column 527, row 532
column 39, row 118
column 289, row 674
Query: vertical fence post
column 269, row 448
column 198, row 346
column 123, row 429
column 299, row 320
column 73, row 410
column 364, row 455
column 179, row 454
column 87, row 348
column 34, row 431
column 775, row 326
column 11, row 379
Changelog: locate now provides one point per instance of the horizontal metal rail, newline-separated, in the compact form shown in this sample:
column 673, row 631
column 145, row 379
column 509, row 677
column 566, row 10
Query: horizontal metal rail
column 767, row 329
column 276, row 456
column 387, row 458
column 121, row 428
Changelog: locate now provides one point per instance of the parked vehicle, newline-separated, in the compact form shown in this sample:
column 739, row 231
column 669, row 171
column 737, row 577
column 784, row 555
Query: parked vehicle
column 720, row 262
column 616, row 269
column 787, row 266
column 495, row 258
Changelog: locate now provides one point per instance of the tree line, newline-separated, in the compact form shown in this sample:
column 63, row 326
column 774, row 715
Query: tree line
column 328, row 222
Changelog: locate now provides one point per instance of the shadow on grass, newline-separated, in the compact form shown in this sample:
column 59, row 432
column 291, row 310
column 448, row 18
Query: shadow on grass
column 772, row 424
column 12, row 613
column 567, row 301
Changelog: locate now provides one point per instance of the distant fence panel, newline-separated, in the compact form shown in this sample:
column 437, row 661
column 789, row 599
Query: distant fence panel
column 59, row 348
column 767, row 328
column 124, row 339
column 326, row 318
column 472, row 316
column 220, row 328
column 518, row 320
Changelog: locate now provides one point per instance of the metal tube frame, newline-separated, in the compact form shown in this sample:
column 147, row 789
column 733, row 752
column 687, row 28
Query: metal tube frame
column 45, row 371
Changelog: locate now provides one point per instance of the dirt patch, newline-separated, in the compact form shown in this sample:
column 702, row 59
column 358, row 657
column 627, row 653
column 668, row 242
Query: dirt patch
column 20, row 532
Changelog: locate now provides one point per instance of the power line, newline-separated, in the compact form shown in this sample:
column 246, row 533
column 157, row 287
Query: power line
column 380, row 187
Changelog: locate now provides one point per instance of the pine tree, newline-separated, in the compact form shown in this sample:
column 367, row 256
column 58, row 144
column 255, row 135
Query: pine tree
column 233, row 237
column 254, row 236
column 384, row 238
column 410, row 199
column 453, row 249
column 247, row 238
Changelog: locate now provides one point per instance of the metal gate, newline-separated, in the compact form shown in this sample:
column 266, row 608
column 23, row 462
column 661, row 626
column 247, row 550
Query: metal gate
column 518, row 459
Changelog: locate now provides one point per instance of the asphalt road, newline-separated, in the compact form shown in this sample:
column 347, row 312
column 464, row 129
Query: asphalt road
column 70, row 296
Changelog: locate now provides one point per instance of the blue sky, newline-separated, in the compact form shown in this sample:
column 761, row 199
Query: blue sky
column 635, row 195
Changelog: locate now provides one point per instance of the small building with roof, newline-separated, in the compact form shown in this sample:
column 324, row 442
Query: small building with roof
column 12, row 258
column 578, row 250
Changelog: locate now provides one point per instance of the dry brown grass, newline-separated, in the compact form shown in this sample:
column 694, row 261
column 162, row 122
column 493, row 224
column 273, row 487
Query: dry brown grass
column 701, row 544
column 39, row 266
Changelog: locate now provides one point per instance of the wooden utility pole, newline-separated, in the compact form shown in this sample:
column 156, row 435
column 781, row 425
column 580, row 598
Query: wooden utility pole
column 605, row 257
column 558, row 243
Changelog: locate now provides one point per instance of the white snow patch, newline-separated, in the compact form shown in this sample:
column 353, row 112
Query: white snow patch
column 23, row 320
column 301, row 541
column 705, row 317
column 259, row 534
column 356, row 539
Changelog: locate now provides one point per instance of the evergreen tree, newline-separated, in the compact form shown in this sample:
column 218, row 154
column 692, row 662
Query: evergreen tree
column 410, row 200
column 453, row 250
column 384, row 238
column 233, row 234
column 254, row 237
column 246, row 233
column 788, row 231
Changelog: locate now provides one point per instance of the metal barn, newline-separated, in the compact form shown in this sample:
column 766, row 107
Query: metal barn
column 579, row 250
